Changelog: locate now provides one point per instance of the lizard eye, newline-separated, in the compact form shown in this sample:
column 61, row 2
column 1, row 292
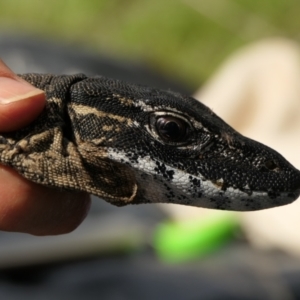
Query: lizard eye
column 170, row 129
column 271, row 165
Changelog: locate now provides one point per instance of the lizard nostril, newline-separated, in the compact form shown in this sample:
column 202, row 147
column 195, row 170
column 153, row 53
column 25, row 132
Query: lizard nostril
column 271, row 165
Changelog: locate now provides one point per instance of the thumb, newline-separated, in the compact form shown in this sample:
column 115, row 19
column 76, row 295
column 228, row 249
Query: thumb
column 20, row 102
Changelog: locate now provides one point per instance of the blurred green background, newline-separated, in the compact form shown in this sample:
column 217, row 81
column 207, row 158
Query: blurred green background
column 183, row 39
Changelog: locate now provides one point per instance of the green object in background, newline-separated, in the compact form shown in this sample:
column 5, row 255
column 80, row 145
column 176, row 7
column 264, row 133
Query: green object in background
column 176, row 242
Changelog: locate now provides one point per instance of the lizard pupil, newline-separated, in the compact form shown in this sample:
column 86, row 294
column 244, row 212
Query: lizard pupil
column 171, row 129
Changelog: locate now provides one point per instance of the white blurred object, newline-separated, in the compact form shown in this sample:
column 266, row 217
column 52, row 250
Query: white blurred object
column 257, row 91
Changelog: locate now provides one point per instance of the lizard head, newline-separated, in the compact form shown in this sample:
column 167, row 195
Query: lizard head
column 133, row 144
column 180, row 152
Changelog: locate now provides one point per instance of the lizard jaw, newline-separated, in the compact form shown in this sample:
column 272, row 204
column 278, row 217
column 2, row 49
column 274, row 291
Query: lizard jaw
column 171, row 185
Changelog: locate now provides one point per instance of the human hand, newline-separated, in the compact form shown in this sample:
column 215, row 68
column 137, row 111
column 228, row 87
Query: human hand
column 26, row 206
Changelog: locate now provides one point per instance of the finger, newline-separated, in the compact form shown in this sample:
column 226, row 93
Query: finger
column 20, row 103
column 32, row 208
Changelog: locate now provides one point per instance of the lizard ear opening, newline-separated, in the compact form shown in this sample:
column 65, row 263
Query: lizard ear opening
column 108, row 180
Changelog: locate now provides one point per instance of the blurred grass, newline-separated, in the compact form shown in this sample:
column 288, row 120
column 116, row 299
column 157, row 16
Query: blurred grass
column 184, row 39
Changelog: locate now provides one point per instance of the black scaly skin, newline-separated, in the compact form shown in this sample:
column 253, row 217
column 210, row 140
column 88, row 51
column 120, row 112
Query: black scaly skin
column 110, row 139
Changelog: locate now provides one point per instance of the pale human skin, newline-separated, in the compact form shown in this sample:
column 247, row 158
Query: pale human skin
column 26, row 206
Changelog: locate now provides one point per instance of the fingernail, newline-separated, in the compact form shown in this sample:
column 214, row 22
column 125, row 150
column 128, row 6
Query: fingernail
column 12, row 90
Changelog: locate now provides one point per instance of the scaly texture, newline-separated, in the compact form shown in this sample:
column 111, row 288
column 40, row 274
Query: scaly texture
column 133, row 144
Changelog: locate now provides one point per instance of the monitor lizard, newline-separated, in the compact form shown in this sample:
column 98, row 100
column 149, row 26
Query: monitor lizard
column 131, row 144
